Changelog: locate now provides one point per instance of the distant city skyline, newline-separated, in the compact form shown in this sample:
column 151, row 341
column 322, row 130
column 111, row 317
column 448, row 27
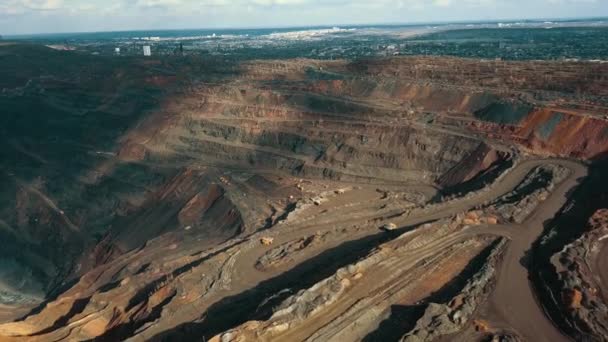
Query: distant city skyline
column 58, row 16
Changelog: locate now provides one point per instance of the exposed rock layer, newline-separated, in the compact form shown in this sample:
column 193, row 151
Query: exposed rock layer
column 181, row 198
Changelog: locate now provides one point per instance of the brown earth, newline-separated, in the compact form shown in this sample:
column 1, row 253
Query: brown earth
column 182, row 199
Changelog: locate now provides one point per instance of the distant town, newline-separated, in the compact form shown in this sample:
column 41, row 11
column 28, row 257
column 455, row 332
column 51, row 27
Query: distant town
column 528, row 40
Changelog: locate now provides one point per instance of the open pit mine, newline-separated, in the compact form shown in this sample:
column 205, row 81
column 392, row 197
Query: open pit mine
column 394, row 199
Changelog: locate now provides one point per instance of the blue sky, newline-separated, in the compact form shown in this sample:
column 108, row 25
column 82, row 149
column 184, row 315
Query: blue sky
column 46, row 16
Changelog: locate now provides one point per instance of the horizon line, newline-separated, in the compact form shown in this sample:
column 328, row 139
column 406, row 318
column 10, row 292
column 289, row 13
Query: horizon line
column 419, row 23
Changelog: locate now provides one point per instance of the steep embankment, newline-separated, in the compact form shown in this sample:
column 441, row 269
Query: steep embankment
column 61, row 113
column 63, row 117
column 555, row 131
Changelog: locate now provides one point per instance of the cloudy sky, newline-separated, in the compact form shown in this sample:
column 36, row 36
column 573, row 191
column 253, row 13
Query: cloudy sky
column 46, row 16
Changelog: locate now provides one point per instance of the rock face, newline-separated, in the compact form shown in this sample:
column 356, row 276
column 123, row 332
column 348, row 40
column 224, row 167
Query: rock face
column 182, row 198
column 480, row 161
column 580, row 266
column 557, row 131
column 446, row 319
column 61, row 117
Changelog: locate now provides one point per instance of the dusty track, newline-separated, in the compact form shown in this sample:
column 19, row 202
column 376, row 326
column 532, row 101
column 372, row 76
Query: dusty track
column 513, row 303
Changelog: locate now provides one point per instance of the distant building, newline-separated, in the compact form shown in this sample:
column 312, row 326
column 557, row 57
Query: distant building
column 147, row 50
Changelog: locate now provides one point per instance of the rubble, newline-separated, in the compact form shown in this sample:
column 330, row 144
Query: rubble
column 444, row 319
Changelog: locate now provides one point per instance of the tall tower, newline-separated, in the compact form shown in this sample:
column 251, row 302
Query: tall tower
column 147, row 50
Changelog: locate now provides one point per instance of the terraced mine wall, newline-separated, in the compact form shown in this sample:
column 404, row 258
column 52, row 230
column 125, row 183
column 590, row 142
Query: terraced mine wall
column 144, row 195
column 552, row 131
column 63, row 114
column 561, row 77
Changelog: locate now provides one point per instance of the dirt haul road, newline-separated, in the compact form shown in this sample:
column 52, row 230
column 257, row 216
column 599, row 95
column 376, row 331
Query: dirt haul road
column 345, row 229
column 513, row 304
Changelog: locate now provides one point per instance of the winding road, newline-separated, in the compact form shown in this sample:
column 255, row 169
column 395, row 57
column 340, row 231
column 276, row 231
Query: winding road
column 513, row 304
column 346, row 230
